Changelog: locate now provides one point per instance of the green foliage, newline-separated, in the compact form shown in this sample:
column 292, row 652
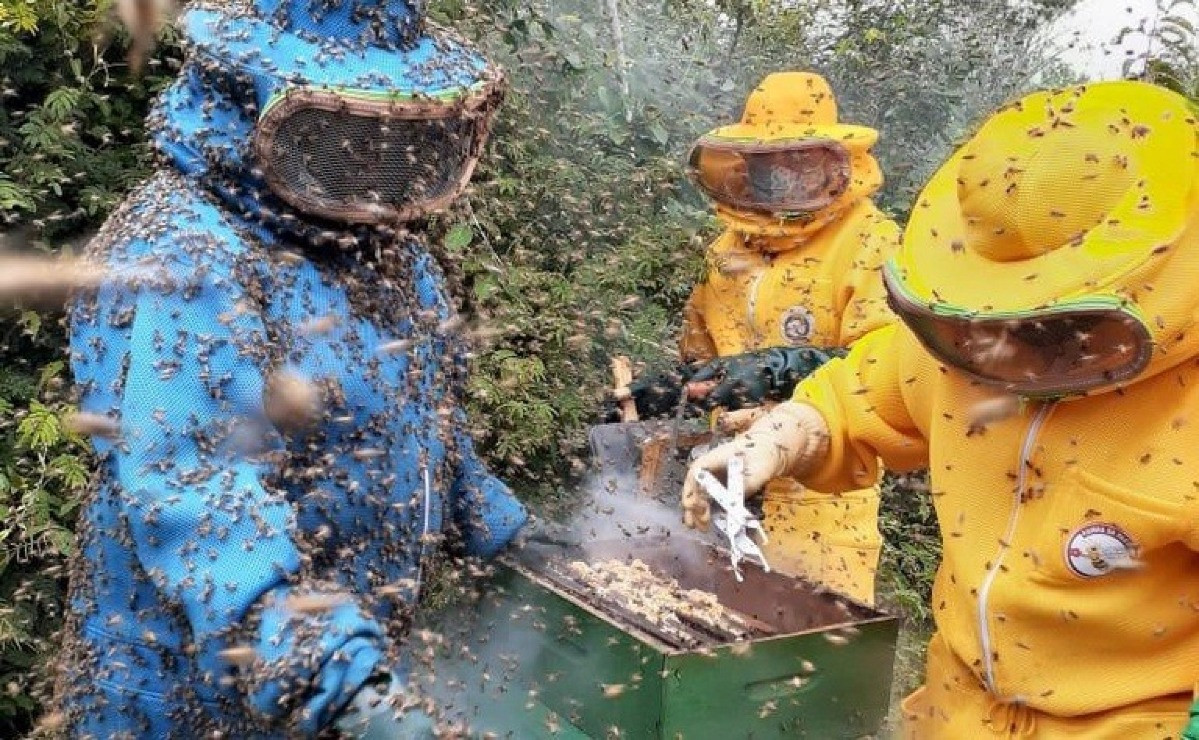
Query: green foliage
column 71, row 144
column 579, row 240
column 1174, row 62
column 43, row 471
column 71, row 139
column 912, row 546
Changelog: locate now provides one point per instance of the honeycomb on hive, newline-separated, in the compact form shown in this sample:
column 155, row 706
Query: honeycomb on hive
column 688, row 616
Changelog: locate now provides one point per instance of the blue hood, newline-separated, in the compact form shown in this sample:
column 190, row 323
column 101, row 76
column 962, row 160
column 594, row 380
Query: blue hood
column 242, row 55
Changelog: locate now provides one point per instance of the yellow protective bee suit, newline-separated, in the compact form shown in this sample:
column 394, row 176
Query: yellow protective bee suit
column 1067, row 601
column 812, row 281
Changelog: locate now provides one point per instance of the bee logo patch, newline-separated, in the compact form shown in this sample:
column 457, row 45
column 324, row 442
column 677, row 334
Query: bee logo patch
column 797, row 325
column 1098, row 549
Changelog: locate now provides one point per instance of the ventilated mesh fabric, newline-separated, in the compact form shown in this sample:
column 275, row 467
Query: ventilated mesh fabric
column 790, row 177
column 1017, row 202
column 206, row 526
column 1064, row 197
column 348, row 162
column 389, row 24
column 246, row 562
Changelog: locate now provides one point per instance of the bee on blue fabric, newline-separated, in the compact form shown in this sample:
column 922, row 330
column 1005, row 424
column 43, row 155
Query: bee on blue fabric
column 271, row 374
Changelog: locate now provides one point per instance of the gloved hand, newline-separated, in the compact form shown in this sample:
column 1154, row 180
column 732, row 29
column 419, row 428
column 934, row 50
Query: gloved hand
column 656, row 394
column 752, row 378
column 374, row 714
column 538, row 531
column 1191, row 731
column 787, row 441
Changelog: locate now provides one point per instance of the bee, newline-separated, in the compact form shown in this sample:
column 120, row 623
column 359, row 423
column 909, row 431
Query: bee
column 239, row 655
column 97, row 425
column 313, row 604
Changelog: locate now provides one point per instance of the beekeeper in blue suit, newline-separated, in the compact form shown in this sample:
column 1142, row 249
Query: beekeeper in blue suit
column 272, row 371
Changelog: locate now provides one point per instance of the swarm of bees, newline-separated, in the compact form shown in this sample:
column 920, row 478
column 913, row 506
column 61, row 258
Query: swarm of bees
column 359, row 477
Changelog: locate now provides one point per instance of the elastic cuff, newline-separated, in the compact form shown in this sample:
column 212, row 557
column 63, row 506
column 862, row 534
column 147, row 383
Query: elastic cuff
column 338, row 688
column 314, row 664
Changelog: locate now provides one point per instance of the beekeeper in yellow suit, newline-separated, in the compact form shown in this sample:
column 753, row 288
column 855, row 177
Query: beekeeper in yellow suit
column 795, row 274
column 1047, row 371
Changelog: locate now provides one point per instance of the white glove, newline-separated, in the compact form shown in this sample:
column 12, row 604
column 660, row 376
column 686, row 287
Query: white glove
column 787, row 441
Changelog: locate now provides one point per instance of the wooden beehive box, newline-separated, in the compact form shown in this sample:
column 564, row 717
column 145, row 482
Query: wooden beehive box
column 542, row 661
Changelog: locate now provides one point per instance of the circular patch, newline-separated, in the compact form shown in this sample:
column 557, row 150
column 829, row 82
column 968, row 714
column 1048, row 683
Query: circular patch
column 797, row 325
column 1098, row 549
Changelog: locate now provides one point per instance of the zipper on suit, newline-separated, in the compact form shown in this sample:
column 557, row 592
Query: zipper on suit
column 751, row 306
column 428, row 495
column 984, row 591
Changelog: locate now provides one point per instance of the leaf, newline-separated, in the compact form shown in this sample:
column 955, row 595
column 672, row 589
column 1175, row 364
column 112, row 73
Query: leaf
column 459, row 237
column 61, row 103
column 31, row 323
column 485, row 287
column 37, row 509
column 14, row 197
column 68, row 508
column 50, row 371
column 1181, row 22
column 40, row 429
column 70, row 470
column 19, row 16
column 61, row 539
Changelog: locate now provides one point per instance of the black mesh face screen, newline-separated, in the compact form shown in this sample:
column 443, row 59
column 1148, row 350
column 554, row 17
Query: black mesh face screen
column 1048, row 333
column 346, row 161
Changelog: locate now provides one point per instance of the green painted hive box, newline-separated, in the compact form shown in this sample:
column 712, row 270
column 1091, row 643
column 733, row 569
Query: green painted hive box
column 535, row 657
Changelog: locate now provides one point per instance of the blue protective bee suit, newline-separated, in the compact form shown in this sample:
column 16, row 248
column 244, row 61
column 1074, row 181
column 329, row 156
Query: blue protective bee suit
column 238, row 577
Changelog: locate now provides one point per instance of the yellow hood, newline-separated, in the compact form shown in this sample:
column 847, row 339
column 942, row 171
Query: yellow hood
column 1086, row 192
column 800, row 105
